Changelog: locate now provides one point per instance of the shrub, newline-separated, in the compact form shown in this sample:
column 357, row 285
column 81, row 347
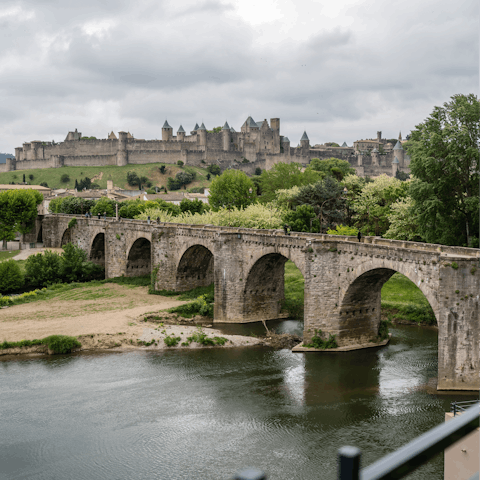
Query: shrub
column 61, row 343
column 383, row 330
column 162, row 169
column 11, row 277
column 455, row 265
column 65, row 178
column 192, row 206
column 214, row 169
column 44, row 184
column 72, row 223
column 171, row 341
column 180, row 163
column 258, row 171
column 31, row 176
column 73, row 258
column 321, row 344
column 104, row 205
column 43, row 270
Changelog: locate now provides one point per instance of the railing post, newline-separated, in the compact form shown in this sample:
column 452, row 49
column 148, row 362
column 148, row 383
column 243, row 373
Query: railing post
column 349, row 463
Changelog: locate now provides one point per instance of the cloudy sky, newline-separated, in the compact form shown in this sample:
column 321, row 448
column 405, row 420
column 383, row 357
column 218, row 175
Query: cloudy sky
column 339, row 69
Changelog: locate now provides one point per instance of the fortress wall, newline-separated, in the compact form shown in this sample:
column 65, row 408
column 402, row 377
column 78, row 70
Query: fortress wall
column 3, row 168
column 158, row 156
column 90, row 160
column 30, row 164
column 215, row 141
column 193, row 157
column 154, row 146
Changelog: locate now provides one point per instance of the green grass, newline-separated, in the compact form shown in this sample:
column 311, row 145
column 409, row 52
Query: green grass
column 56, row 343
column 142, row 281
column 294, row 291
column 189, row 295
column 52, row 176
column 5, row 255
column 403, row 300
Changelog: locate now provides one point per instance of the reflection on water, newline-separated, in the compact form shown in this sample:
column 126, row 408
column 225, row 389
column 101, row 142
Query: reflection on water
column 207, row 413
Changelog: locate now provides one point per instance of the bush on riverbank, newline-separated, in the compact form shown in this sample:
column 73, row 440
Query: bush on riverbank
column 55, row 343
column 203, row 305
column 320, row 343
column 11, row 276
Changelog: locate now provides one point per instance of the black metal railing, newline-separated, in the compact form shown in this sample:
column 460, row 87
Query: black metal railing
column 458, row 407
column 406, row 459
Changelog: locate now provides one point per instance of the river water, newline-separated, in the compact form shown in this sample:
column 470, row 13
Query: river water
column 206, row 413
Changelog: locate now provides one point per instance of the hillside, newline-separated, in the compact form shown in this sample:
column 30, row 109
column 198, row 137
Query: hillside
column 100, row 175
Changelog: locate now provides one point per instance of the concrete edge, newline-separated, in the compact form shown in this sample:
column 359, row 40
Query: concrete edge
column 349, row 348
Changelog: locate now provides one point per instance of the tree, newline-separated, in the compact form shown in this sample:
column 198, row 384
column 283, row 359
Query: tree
column 258, row 171
column 162, row 169
column 213, row 169
column 192, row 206
column 104, row 205
column 343, row 230
column 24, row 180
column 11, row 277
column 445, row 165
column 31, row 176
column 403, row 221
column 302, row 219
column 327, row 199
column 18, row 210
column 284, row 176
column 65, row 178
column 333, row 167
column 373, row 205
column 232, row 189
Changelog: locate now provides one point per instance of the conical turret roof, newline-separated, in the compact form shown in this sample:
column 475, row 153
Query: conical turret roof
column 344, row 144
column 398, row 146
column 202, row 127
column 251, row 122
column 395, row 160
column 196, row 127
column 180, row 130
column 226, row 126
column 304, row 136
column 166, row 125
column 286, row 140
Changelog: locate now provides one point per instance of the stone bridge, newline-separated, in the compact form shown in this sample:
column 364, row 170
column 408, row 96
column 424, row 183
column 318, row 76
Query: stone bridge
column 343, row 278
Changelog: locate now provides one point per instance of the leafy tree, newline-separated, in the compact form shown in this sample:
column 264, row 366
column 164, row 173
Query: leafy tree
column 73, row 258
column 65, row 178
column 43, row 269
column 327, row 199
column 71, row 205
column 162, row 169
column 31, row 176
column 44, row 184
column 24, row 180
column 445, row 165
column 373, row 205
column 214, row 169
column 333, row 167
column 403, row 221
column 209, row 176
column 18, row 210
column 331, row 144
column 76, row 184
column 232, row 189
column 104, row 205
column 132, row 179
column 11, row 277
column 215, row 130
column 192, row 206
column 180, row 163
column 402, row 176
column 258, row 171
column 302, row 219
column 284, row 176
column 85, row 183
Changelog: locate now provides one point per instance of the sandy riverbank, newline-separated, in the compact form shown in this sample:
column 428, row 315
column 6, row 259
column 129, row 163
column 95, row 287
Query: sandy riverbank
column 105, row 317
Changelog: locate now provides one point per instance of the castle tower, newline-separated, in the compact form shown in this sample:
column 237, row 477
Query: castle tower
column 180, row 134
column 286, row 145
column 275, row 124
column 305, row 142
column 195, row 128
column 379, row 137
column 18, row 153
column 122, row 158
column 375, row 157
column 167, row 132
column 399, row 153
column 226, row 136
column 395, row 164
column 11, row 164
column 202, row 135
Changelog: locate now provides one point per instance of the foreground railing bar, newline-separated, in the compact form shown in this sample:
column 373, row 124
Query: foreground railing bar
column 411, row 456
column 475, row 477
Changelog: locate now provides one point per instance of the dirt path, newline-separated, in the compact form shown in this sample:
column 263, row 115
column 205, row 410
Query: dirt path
column 24, row 254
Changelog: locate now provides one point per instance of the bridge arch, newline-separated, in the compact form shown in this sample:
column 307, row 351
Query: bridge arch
column 195, row 268
column 265, row 288
column 139, row 258
column 97, row 249
column 66, row 237
column 360, row 301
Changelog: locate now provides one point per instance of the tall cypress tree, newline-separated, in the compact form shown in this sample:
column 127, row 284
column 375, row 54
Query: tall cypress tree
column 76, row 184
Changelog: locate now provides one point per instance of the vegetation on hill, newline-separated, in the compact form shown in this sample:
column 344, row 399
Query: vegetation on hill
column 99, row 175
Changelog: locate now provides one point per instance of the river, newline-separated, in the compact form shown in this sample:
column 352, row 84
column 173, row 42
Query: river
column 206, row 413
